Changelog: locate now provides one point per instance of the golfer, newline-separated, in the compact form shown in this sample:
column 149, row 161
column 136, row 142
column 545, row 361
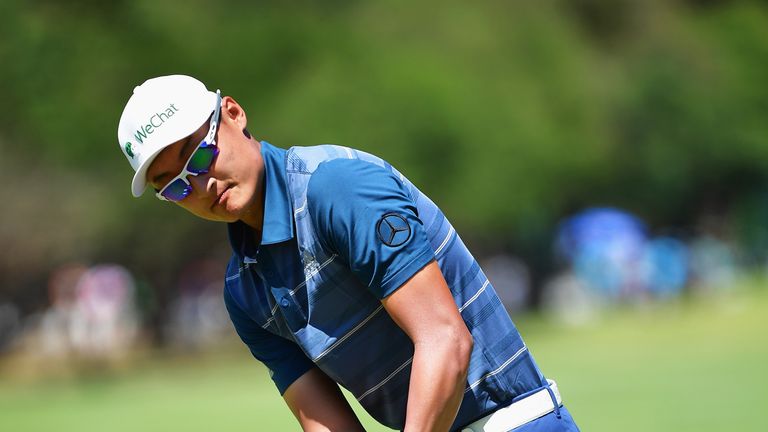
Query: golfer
column 342, row 274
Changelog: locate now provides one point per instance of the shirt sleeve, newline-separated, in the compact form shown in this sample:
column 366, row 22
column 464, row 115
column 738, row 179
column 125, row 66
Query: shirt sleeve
column 364, row 212
column 284, row 359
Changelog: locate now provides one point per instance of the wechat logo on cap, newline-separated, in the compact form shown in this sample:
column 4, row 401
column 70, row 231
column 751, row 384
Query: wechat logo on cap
column 129, row 149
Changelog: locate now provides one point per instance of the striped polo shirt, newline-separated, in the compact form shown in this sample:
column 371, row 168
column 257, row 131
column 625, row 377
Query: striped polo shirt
column 342, row 230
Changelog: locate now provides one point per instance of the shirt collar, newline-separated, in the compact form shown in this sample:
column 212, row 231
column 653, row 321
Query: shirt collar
column 278, row 220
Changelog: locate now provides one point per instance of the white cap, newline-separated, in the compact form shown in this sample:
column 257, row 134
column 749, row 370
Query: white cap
column 160, row 112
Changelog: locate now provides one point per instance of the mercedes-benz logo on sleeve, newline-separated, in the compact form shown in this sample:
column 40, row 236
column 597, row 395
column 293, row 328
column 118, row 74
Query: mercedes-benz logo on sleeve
column 393, row 230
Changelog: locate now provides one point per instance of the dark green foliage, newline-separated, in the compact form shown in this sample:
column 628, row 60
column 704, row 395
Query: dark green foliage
column 508, row 114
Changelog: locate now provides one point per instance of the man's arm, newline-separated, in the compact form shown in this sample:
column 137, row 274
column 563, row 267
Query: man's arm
column 424, row 308
column 319, row 406
column 314, row 399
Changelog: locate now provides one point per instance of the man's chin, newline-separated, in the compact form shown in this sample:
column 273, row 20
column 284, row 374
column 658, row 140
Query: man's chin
column 234, row 206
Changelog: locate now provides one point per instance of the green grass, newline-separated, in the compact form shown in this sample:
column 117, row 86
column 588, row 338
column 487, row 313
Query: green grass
column 686, row 367
column 699, row 365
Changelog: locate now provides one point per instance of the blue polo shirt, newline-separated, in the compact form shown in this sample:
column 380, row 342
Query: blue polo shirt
column 343, row 229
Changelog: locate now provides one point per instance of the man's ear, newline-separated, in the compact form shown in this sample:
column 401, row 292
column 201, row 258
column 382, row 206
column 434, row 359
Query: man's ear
column 233, row 112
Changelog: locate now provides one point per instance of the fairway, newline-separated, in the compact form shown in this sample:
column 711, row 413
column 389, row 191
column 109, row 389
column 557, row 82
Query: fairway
column 698, row 365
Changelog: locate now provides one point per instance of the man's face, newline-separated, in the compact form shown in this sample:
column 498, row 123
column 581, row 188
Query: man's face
column 232, row 189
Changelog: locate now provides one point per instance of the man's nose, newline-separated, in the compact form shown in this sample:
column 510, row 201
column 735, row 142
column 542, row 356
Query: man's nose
column 199, row 184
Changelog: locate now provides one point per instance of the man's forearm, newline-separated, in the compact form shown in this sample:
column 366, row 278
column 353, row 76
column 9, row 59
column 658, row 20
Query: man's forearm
column 319, row 405
column 438, row 377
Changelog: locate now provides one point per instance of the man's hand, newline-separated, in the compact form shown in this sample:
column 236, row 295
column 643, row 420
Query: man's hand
column 424, row 308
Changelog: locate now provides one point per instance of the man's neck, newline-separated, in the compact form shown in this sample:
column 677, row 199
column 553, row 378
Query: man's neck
column 254, row 218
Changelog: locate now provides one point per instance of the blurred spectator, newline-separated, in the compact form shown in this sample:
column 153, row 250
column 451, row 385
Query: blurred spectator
column 510, row 278
column 713, row 264
column 9, row 325
column 198, row 316
column 104, row 321
column 568, row 299
column 604, row 247
column 665, row 267
column 56, row 322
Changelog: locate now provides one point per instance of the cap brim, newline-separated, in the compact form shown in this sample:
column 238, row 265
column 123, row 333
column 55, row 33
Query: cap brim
column 139, row 183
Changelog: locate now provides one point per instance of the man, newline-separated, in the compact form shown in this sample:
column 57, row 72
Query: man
column 342, row 273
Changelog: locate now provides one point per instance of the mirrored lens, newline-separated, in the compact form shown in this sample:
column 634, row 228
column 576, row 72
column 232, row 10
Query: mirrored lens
column 176, row 191
column 202, row 159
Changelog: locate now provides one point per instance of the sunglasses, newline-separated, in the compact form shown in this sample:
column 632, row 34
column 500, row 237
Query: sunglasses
column 199, row 161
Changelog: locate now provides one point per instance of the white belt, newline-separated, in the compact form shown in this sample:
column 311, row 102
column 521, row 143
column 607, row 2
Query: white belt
column 517, row 414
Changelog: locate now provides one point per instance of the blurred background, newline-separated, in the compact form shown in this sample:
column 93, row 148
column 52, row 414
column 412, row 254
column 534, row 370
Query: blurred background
column 605, row 160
